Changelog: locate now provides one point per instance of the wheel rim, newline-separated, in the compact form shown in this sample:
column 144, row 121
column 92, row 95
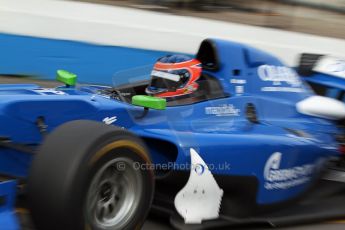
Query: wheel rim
column 114, row 194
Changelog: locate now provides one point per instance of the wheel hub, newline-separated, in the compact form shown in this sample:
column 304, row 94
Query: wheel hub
column 106, row 192
column 114, row 195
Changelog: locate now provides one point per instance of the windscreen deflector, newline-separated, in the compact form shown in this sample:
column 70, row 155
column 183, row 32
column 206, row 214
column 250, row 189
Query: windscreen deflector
column 208, row 56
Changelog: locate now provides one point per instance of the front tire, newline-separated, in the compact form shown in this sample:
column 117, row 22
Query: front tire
column 86, row 176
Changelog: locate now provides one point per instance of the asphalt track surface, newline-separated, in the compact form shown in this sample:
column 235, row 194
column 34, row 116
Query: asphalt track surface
column 152, row 223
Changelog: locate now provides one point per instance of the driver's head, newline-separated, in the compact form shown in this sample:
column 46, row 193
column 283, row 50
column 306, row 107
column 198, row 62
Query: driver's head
column 174, row 75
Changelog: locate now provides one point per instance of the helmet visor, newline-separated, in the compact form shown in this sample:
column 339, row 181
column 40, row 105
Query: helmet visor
column 163, row 81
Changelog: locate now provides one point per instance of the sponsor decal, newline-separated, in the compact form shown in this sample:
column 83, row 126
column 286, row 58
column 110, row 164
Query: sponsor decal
column 109, row 120
column 332, row 66
column 282, row 89
column 223, row 110
column 238, row 81
column 44, row 91
column 278, row 75
column 278, row 178
column 199, row 169
column 337, row 68
column 239, row 89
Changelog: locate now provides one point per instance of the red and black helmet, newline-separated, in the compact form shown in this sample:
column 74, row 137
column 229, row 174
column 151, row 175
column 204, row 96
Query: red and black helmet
column 174, row 75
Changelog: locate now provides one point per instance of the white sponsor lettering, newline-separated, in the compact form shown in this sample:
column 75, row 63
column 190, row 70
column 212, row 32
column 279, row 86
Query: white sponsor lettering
column 277, row 178
column 239, row 89
column 283, row 89
column 223, row 110
column 238, row 81
column 109, row 120
column 279, row 74
column 44, row 91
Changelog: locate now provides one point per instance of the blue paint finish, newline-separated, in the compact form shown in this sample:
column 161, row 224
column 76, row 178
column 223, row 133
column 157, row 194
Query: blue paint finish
column 327, row 85
column 8, row 219
column 327, row 80
column 92, row 63
column 14, row 163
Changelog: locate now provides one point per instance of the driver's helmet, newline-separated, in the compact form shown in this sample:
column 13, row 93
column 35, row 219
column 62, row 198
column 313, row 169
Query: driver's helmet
column 174, row 75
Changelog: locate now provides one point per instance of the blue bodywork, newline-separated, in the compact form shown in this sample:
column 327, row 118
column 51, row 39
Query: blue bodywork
column 8, row 220
column 327, row 85
column 284, row 150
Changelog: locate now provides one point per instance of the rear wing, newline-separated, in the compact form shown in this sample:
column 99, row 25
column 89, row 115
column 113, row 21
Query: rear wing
column 310, row 64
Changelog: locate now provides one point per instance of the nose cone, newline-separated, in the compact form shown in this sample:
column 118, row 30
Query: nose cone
column 322, row 107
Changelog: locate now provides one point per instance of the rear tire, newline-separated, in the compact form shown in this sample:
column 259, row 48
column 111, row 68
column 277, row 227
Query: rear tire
column 86, row 176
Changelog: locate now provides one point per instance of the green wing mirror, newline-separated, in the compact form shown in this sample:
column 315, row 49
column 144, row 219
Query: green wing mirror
column 70, row 79
column 149, row 102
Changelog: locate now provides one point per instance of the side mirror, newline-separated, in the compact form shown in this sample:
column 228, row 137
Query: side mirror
column 66, row 77
column 149, row 102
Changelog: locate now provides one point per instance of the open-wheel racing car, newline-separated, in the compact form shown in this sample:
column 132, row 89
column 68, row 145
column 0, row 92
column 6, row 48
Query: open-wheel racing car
column 248, row 141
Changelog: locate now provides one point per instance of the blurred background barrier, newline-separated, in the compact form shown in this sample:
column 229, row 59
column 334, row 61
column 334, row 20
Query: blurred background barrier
column 329, row 4
column 336, row 5
column 97, row 40
column 41, row 57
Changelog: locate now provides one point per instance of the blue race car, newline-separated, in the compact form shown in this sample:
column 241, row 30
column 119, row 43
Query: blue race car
column 247, row 139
